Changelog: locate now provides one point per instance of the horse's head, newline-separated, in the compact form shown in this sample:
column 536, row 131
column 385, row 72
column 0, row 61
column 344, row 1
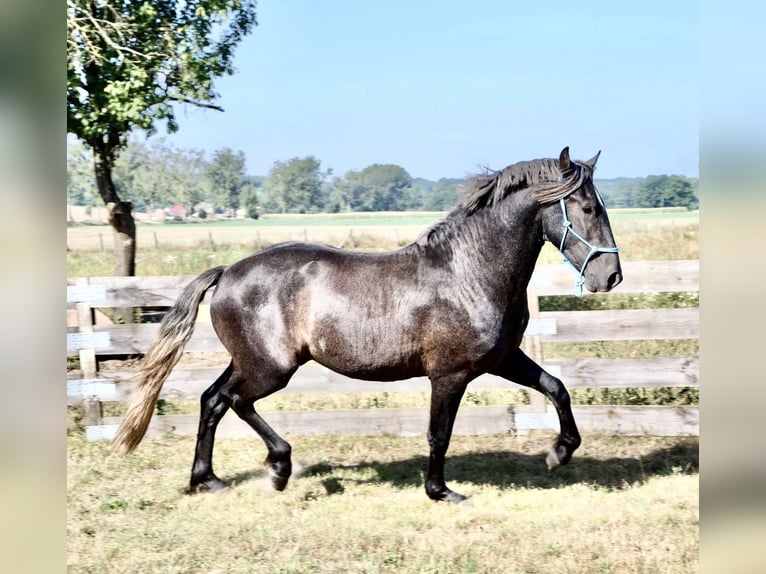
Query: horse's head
column 578, row 225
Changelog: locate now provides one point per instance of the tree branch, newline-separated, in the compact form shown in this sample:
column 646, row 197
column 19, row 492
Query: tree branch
column 88, row 35
column 182, row 100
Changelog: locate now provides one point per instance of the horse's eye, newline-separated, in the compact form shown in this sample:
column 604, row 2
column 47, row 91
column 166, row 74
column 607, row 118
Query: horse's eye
column 587, row 209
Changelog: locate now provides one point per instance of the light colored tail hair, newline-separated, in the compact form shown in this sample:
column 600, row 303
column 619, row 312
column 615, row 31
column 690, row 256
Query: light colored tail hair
column 175, row 331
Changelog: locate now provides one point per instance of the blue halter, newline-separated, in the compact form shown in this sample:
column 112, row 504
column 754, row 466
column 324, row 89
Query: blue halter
column 593, row 250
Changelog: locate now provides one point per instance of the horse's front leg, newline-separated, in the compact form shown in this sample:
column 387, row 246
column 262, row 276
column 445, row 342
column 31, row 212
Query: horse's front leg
column 446, row 393
column 520, row 369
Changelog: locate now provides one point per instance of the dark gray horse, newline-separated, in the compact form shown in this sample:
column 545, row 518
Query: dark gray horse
column 450, row 306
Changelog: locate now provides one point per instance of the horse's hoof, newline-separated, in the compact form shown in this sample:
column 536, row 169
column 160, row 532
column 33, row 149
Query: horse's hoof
column 209, row 485
column 455, row 498
column 445, row 495
column 558, row 455
column 279, row 483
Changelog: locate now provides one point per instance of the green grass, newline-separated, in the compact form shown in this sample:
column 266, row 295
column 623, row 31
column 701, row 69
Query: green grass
column 358, row 506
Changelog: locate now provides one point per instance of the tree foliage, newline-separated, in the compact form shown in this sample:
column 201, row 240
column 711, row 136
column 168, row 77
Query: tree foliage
column 378, row 187
column 226, row 174
column 80, row 182
column 438, row 195
column 151, row 173
column 128, row 63
column 294, row 186
column 666, row 191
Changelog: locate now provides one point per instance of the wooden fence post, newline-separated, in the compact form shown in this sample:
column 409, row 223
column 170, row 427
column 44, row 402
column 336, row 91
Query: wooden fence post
column 85, row 320
column 533, row 347
column 93, row 415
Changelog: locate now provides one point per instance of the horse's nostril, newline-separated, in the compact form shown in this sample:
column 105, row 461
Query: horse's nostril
column 614, row 279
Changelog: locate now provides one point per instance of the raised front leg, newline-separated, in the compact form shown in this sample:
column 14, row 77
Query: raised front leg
column 446, row 393
column 520, row 369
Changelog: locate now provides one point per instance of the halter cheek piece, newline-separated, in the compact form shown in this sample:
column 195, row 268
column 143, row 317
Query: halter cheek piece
column 593, row 250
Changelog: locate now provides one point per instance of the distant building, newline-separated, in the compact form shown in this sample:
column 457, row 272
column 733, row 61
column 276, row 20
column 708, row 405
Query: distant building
column 175, row 211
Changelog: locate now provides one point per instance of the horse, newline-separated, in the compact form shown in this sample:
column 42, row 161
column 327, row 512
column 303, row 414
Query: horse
column 451, row 306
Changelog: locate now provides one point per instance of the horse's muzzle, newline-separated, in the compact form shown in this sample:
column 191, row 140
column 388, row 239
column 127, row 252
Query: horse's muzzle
column 612, row 280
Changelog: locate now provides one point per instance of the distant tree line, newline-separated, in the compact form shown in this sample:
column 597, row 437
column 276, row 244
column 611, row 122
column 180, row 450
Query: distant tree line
column 650, row 191
column 153, row 174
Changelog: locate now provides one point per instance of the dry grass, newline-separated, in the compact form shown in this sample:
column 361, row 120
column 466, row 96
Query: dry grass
column 188, row 249
column 623, row 505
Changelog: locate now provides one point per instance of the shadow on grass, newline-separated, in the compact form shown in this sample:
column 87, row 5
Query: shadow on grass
column 508, row 469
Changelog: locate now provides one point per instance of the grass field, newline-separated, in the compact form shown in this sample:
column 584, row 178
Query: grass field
column 358, row 506
column 181, row 249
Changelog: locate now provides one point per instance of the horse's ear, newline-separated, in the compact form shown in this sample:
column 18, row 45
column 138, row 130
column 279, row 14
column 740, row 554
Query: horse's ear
column 592, row 161
column 564, row 162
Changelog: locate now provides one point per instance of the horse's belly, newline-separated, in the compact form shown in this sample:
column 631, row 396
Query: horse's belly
column 372, row 350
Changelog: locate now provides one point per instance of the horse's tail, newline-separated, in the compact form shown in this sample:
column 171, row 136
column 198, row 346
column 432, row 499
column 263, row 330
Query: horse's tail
column 164, row 353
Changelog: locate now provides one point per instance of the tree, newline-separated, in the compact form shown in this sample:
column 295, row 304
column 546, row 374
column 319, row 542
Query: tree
column 152, row 174
column 128, row 63
column 186, row 176
column 444, row 194
column 680, row 192
column 294, row 186
column 665, row 191
column 226, row 175
column 139, row 174
column 250, row 201
column 375, row 188
column 80, row 183
column 619, row 191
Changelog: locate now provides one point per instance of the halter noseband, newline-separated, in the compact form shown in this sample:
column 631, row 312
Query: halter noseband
column 593, row 250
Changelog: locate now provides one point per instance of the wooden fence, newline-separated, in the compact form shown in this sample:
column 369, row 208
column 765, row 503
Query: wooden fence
column 93, row 340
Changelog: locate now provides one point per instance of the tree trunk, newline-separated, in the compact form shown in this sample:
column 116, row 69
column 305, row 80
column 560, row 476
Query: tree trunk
column 120, row 212
column 120, row 218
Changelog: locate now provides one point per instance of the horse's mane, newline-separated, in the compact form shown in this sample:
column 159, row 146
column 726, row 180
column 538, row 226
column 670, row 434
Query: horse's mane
column 490, row 188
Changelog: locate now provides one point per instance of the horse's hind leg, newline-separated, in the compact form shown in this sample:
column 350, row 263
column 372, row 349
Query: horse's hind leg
column 520, row 369
column 241, row 398
column 213, row 406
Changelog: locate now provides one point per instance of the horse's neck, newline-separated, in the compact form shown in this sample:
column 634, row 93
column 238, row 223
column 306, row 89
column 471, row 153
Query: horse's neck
column 500, row 247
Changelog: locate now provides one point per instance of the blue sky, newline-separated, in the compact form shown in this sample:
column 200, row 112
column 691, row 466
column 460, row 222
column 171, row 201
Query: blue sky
column 443, row 88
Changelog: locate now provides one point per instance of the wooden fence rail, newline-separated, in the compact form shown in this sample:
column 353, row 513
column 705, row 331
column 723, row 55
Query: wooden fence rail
column 92, row 338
